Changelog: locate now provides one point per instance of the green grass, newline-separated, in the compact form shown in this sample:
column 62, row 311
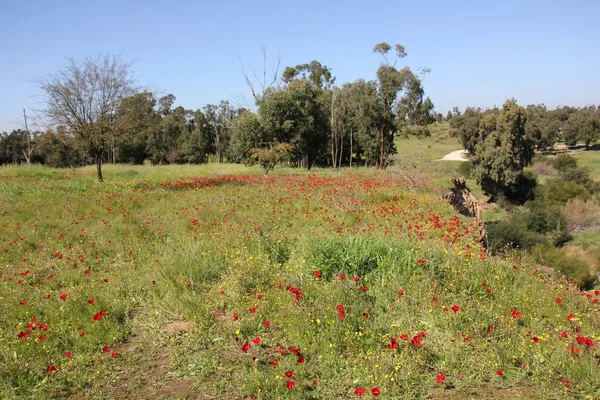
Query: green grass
column 432, row 148
column 251, row 266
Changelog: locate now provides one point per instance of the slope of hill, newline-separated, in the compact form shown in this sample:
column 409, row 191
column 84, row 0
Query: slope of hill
column 301, row 286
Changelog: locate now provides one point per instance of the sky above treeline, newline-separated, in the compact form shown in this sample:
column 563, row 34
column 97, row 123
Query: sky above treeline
column 480, row 52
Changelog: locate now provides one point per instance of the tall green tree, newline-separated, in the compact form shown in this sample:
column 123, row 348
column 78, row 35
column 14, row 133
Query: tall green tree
column 585, row 125
column 540, row 128
column 137, row 119
column 501, row 156
column 296, row 116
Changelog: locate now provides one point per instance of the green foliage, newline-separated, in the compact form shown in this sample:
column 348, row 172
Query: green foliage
column 558, row 192
column 501, row 155
column 356, row 256
column 540, row 128
column 549, row 221
column 294, row 115
column 564, row 162
column 585, row 125
column 513, row 233
column 571, row 268
column 269, row 157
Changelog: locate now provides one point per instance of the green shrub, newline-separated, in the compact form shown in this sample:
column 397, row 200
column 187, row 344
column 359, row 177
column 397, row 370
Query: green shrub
column 571, row 268
column 558, row 192
column 580, row 176
column 548, row 220
column 503, row 235
column 564, row 162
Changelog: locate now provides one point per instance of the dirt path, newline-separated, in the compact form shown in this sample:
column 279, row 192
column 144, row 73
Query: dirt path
column 458, row 155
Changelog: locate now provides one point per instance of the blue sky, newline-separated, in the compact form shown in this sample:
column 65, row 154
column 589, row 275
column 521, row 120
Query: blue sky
column 480, row 52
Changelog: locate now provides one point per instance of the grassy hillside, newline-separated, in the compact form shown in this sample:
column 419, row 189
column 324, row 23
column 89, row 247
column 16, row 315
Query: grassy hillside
column 217, row 282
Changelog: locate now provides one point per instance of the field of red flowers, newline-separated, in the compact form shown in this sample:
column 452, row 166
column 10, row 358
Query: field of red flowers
column 295, row 286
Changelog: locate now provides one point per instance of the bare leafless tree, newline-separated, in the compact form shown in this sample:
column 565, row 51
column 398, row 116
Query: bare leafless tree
column 260, row 86
column 84, row 97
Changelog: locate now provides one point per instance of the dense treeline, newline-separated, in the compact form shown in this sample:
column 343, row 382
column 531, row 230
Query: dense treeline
column 501, row 141
column 303, row 120
column 543, row 127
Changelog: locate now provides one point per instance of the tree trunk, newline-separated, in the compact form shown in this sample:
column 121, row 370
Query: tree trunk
column 98, row 157
column 381, row 150
column 350, row 148
column 341, row 151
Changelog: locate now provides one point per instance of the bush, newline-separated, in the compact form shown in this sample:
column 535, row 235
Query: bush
column 581, row 176
column 564, row 162
column 559, row 192
column 503, row 235
column 582, row 214
column 466, row 169
column 549, row 221
column 571, row 268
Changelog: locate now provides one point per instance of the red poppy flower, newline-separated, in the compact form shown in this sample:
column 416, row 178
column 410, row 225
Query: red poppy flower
column 87, row 272
column 267, row 323
column 356, row 279
column 499, row 372
column 375, row 391
column 440, row 378
column 68, row 354
column 274, row 362
column 455, row 308
column 99, row 316
column 105, row 349
column 360, row 391
column 300, row 360
column 400, row 292
column 51, row 368
column 515, row 314
column 235, row 316
column 290, row 385
column 64, row 296
column 363, row 288
column 394, row 344
column 23, row 302
column 91, row 300
column 570, row 317
column 290, row 374
column 114, row 354
column 421, row 261
column 404, row 336
column 256, row 340
column 317, row 274
column 252, row 310
column 246, row 346
column 558, row 300
column 536, row 340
